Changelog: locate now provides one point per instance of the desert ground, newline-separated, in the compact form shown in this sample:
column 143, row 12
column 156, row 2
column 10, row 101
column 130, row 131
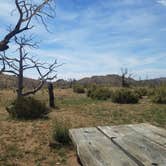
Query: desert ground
column 27, row 143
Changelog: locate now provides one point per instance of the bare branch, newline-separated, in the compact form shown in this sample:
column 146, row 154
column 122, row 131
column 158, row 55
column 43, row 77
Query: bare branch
column 17, row 66
column 124, row 71
column 126, row 77
column 27, row 10
column 8, row 65
column 3, row 63
column 34, row 90
column 10, row 71
column 24, row 41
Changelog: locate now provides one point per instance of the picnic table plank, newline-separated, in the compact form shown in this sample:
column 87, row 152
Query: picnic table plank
column 95, row 149
column 123, row 145
column 141, row 147
column 155, row 134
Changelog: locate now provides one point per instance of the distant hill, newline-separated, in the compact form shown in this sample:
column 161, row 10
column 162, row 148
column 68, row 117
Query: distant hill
column 113, row 80
column 109, row 80
column 61, row 83
column 9, row 81
column 152, row 82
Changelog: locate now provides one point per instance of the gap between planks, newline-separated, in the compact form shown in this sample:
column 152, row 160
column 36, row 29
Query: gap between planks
column 136, row 156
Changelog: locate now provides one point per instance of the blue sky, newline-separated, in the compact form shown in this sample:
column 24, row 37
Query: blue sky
column 99, row 37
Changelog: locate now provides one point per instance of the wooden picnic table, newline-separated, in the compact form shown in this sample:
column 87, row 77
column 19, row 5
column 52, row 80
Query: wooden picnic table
column 124, row 145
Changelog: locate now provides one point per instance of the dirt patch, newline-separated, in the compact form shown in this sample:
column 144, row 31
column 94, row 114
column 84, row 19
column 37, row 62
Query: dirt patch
column 26, row 143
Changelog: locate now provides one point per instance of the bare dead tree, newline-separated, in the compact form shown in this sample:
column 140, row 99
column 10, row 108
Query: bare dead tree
column 126, row 77
column 18, row 65
column 71, row 82
column 51, row 95
column 27, row 10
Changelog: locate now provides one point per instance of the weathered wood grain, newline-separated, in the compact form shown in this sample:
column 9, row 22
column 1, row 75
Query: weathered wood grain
column 143, row 148
column 95, row 149
column 155, row 134
column 124, row 145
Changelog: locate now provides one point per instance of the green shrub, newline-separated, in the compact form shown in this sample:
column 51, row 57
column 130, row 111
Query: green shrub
column 78, row 89
column 99, row 93
column 159, row 95
column 61, row 132
column 151, row 91
column 124, row 96
column 141, row 92
column 91, row 90
column 27, row 108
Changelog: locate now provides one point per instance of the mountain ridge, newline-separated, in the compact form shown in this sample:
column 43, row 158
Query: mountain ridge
column 9, row 81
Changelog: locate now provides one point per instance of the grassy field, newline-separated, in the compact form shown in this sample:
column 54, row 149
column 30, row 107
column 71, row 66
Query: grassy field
column 27, row 142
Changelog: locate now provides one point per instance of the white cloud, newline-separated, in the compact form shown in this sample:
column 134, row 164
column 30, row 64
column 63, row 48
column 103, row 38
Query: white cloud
column 151, row 73
column 94, row 42
column 66, row 16
column 6, row 7
column 78, row 65
column 163, row 29
column 162, row 2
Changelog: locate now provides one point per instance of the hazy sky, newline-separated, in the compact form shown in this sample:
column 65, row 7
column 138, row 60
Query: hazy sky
column 98, row 37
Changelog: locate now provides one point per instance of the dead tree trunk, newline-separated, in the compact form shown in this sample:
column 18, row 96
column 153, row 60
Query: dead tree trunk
column 124, row 72
column 18, row 65
column 20, row 75
column 123, row 81
column 51, row 95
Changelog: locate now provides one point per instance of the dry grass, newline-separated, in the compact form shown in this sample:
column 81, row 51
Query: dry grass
column 27, row 142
